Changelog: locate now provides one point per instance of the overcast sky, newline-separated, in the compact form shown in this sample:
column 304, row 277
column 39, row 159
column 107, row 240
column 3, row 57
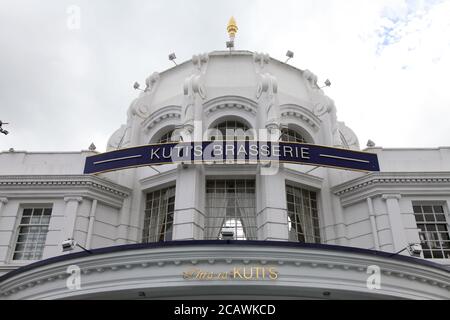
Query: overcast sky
column 62, row 88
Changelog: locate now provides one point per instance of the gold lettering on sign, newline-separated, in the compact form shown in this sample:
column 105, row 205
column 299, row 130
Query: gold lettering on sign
column 237, row 273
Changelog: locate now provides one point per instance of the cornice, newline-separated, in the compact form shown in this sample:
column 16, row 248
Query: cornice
column 299, row 112
column 399, row 179
column 99, row 271
column 39, row 182
column 162, row 114
column 302, row 177
column 158, row 179
column 73, row 199
column 230, row 102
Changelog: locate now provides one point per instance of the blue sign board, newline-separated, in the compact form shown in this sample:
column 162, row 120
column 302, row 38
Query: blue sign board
column 231, row 152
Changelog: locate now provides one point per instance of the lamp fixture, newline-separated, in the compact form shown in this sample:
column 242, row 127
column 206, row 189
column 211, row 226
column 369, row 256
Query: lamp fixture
column 289, row 55
column 172, row 57
column 5, row 132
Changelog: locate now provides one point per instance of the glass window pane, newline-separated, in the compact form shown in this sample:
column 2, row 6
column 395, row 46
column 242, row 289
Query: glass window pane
column 301, row 210
column 438, row 209
column 35, row 219
column 434, row 230
column 158, row 218
column 230, row 212
column 427, row 209
column 25, row 220
column 417, row 209
column 230, row 130
column 30, row 240
column 45, row 220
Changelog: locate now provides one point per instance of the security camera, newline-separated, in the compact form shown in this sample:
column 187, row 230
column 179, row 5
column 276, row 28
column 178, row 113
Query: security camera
column 415, row 249
column 68, row 245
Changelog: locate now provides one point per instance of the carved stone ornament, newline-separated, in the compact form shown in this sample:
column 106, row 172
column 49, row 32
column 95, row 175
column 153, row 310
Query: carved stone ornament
column 322, row 105
column 200, row 60
column 267, row 84
column 261, row 59
column 193, row 85
column 311, row 78
column 151, row 81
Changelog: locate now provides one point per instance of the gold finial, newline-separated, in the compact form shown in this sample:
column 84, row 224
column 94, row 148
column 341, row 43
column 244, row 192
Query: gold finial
column 232, row 28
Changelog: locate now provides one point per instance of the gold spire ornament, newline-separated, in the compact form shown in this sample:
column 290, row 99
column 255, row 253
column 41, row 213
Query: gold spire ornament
column 232, row 28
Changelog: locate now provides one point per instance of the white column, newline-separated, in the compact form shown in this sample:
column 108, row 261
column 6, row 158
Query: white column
column 189, row 217
column 3, row 202
column 70, row 215
column 395, row 220
column 91, row 224
column 271, row 210
column 7, row 231
column 373, row 224
column 124, row 221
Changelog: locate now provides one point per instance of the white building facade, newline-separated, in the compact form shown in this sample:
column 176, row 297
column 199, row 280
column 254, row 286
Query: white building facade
column 217, row 230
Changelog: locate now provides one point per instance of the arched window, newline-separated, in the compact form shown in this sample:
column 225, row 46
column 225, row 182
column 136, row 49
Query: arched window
column 289, row 135
column 230, row 130
column 167, row 137
column 303, row 221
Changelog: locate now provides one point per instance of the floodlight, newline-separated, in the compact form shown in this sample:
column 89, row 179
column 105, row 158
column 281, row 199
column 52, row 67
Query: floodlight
column 5, row 132
column 327, row 83
column 172, row 57
column 290, row 55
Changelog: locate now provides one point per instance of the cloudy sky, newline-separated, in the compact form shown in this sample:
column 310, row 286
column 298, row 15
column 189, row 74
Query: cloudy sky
column 63, row 87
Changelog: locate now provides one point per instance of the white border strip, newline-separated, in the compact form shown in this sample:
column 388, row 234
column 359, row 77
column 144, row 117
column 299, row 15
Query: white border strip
column 117, row 159
column 343, row 158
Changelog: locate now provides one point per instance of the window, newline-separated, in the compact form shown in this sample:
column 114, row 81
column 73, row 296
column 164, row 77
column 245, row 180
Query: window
column 230, row 207
column 168, row 137
column 431, row 221
column 289, row 135
column 303, row 221
column 32, row 233
column 231, row 130
column 158, row 220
